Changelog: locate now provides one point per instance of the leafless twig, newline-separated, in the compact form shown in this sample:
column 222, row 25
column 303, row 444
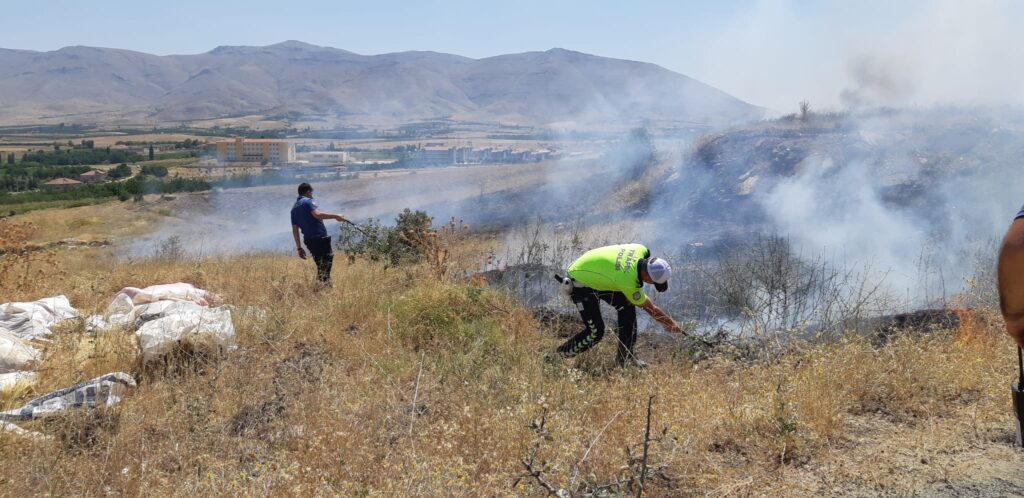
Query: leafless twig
column 647, row 443
column 532, row 471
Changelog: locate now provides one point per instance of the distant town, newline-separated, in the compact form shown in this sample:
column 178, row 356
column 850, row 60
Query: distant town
column 62, row 165
column 428, row 154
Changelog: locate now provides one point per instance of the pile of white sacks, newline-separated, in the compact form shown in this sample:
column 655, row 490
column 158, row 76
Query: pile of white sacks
column 22, row 327
column 161, row 316
column 165, row 316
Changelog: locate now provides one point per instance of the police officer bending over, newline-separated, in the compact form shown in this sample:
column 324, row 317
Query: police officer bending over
column 616, row 275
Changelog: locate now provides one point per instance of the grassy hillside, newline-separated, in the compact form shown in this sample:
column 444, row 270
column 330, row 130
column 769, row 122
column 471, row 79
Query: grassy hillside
column 397, row 383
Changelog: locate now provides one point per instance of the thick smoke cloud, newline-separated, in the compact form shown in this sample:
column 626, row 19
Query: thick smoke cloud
column 877, row 80
column 916, row 197
column 836, row 209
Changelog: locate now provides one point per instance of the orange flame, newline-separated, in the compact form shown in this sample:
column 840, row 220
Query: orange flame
column 972, row 326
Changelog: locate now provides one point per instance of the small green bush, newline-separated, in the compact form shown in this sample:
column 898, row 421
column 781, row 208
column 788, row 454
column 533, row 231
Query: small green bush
column 393, row 245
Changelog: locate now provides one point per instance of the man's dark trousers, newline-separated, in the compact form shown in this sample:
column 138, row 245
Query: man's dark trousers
column 588, row 302
column 323, row 256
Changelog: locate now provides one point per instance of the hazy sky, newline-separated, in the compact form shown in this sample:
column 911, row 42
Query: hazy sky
column 768, row 52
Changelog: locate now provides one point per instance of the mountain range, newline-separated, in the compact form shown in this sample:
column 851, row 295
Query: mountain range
column 95, row 85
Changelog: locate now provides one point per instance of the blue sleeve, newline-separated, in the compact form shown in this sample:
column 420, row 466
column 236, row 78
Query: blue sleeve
column 295, row 219
column 1020, row 214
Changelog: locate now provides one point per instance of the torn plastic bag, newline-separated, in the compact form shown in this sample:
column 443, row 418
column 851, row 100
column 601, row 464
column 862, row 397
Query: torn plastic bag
column 32, row 320
column 9, row 380
column 177, row 292
column 208, row 329
column 105, row 390
column 15, row 353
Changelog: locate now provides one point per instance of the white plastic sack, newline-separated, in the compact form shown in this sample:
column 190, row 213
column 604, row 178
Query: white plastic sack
column 105, row 390
column 201, row 328
column 9, row 380
column 178, row 292
column 15, row 353
column 32, row 320
column 164, row 316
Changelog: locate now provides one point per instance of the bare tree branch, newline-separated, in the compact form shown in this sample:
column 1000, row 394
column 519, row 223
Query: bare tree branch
column 647, row 443
column 530, row 462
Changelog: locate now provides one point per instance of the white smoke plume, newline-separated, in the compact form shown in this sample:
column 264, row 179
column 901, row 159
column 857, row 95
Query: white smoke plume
column 916, row 53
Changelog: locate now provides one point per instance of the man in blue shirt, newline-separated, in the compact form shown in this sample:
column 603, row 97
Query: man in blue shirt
column 308, row 218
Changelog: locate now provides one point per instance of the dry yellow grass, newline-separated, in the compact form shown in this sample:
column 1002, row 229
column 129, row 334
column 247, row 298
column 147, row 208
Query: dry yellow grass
column 398, row 383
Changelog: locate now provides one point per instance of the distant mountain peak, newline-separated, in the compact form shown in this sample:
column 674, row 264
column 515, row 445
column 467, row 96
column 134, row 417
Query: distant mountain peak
column 564, row 51
column 296, row 44
column 227, row 49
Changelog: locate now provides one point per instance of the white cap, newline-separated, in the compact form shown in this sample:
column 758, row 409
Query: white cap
column 659, row 270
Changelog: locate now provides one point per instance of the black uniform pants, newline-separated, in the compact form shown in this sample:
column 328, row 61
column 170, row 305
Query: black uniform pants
column 323, row 256
column 588, row 303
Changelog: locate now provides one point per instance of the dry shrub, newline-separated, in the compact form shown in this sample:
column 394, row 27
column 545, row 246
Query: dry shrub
column 433, row 245
column 182, row 360
column 84, row 430
column 766, row 288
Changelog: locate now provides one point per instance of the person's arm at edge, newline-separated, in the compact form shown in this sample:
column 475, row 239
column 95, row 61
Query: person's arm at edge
column 660, row 316
column 298, row 245
column 320, row 215
column 1011, row 280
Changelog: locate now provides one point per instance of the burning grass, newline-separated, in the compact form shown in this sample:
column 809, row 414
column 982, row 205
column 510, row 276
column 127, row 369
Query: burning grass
column 399, row 383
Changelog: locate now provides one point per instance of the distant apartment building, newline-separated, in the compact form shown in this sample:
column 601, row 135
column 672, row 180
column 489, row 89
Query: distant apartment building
column 259, row 150
column 437, row 155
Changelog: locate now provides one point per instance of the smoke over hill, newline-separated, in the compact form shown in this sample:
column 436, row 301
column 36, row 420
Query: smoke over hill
column 915, row 195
